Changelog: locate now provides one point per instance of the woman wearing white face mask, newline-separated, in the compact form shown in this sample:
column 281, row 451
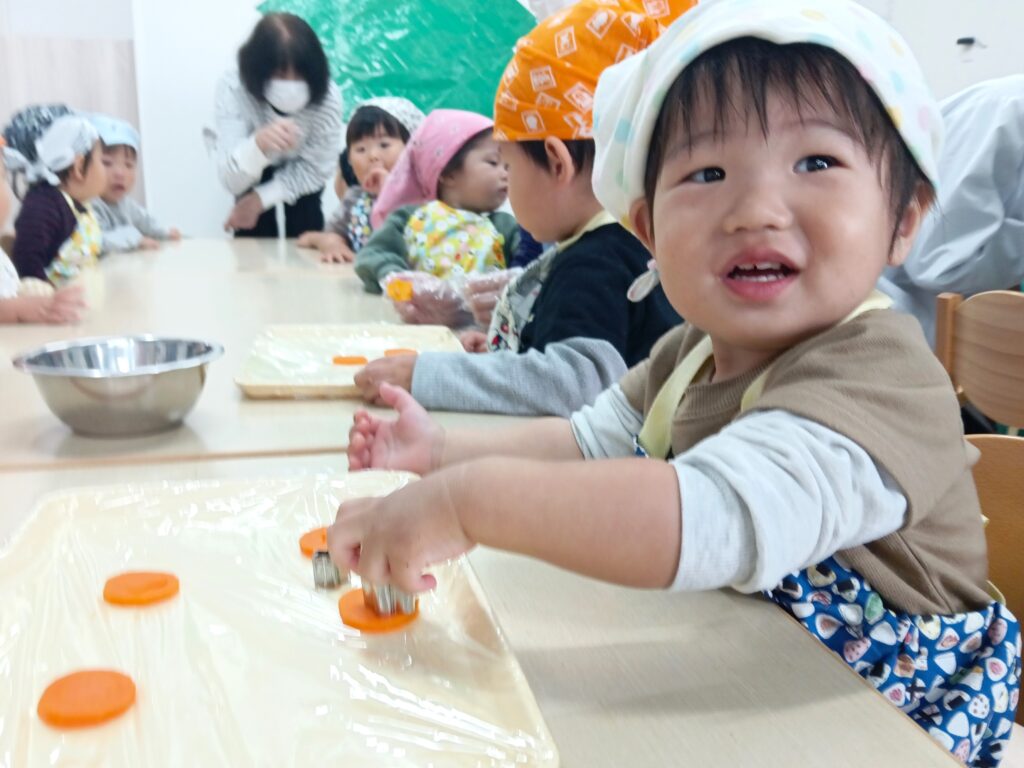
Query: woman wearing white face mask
column 278, row 129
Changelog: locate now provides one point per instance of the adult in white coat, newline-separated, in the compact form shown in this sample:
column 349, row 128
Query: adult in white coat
column 973, row 240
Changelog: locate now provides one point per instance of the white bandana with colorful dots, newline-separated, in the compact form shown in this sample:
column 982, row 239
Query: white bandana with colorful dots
column 630, row 94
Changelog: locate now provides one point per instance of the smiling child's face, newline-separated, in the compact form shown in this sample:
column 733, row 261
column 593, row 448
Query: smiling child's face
column 764, row 238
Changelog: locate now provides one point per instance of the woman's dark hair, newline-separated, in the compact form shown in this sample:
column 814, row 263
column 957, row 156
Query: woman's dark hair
column 347, row 173
column 455, row 164
column 581, row 151
column 279, row 42
column 735, row 78
column 373, row 121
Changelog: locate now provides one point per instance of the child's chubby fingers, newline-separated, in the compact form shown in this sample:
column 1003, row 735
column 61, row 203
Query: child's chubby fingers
column 345, row 535
column 408, row 574
column 367, row 382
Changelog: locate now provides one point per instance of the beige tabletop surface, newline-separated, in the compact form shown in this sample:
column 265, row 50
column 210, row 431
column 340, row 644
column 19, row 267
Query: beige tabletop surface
column 624, row 677
column 221, row 290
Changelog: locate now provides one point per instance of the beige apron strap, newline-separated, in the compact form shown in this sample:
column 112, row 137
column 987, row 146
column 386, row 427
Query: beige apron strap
column 656, row 434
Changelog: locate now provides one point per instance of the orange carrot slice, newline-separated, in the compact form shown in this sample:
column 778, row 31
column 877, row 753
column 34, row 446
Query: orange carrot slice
column 313, row 541
column 400, row 290
column 349, row 360
column 358, row 615
column 89, row 697
column 140, row 588
column 399, row 351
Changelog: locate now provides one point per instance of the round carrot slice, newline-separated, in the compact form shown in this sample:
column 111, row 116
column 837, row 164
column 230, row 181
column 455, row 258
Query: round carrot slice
column 89, row 697
column 313, row 541
column 349, row 360
column 400, row 290
column 358, row 615
column 399, row 351
column 140, row 588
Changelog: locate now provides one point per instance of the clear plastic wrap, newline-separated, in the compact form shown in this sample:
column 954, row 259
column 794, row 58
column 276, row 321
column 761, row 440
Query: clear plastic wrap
column 483, row 291
column 421, row 298
column 296, row 361
column 248, row 664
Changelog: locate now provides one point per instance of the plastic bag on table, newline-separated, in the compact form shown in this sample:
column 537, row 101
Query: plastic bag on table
column 483, row 291
column 423, row 299
column 249, row 664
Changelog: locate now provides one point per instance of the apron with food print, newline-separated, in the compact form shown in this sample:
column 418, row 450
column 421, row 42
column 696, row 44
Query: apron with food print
column 957, row 676
column 80, row 251
column 446, row 241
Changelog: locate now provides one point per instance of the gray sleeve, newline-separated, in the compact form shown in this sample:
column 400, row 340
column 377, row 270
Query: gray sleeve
column 118, row 233
column 566, row 376
column 125, row 238
column 144, row 222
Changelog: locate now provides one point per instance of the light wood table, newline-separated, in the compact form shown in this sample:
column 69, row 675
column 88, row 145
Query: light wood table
column 633, row 678
column 224, row 291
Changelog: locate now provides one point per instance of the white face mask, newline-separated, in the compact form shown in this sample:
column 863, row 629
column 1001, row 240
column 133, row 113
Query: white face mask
column 288, row 96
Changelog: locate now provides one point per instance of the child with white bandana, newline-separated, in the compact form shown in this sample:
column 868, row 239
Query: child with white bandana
column 795, row 437
column 56, row 233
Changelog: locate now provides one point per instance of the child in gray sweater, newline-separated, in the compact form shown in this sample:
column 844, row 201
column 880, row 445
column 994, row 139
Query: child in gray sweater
column 126, row 225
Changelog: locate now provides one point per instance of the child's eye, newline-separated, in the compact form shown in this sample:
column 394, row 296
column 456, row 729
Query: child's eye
column 815, row 163
column 706, row 176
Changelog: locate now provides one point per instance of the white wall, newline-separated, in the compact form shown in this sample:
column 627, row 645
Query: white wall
column 932, row 28
column 181, row 49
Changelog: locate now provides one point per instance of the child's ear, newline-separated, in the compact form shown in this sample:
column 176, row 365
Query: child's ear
column 560, row 164
column 78, row 167
column 641, row 224
column 910, row 224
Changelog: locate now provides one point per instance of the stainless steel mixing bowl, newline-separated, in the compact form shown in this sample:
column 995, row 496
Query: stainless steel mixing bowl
column 121, row 385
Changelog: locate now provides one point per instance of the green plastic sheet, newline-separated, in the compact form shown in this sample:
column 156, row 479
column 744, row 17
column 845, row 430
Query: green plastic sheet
column 437, row 53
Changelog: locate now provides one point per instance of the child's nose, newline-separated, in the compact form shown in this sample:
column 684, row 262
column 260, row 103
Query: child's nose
column 758, row 204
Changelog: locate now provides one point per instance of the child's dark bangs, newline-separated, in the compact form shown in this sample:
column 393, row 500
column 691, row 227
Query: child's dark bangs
column 734, row 80
column 370, row 122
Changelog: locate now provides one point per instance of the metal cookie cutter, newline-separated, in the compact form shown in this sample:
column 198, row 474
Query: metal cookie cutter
column 325, row 574
column 385, row 600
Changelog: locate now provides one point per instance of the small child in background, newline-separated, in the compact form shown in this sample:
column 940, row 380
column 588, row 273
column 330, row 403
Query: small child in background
column 125, row 224
column 565, row 329
column 376, row 135
column 795, row 437
column 56, row 234
column 437, row 212
column 18, row 305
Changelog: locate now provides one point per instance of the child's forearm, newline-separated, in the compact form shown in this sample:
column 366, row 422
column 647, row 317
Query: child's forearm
column 617, row 520
column 10, row 310
column 543, row 439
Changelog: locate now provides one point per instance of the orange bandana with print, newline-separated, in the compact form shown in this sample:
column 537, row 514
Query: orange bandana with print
column 548, row 87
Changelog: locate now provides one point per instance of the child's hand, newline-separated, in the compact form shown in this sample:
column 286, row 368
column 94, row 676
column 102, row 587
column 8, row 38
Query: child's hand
column 278, row 136
column 174, row 234
column 394, row 539
column 374, row 181
column 474, row 342
column 246, row 213
column 334, row 250
column 63, row 307
column 149, row 244
column 483, row 291
column 413, row 442
column 309, row 240
column 396, row 371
